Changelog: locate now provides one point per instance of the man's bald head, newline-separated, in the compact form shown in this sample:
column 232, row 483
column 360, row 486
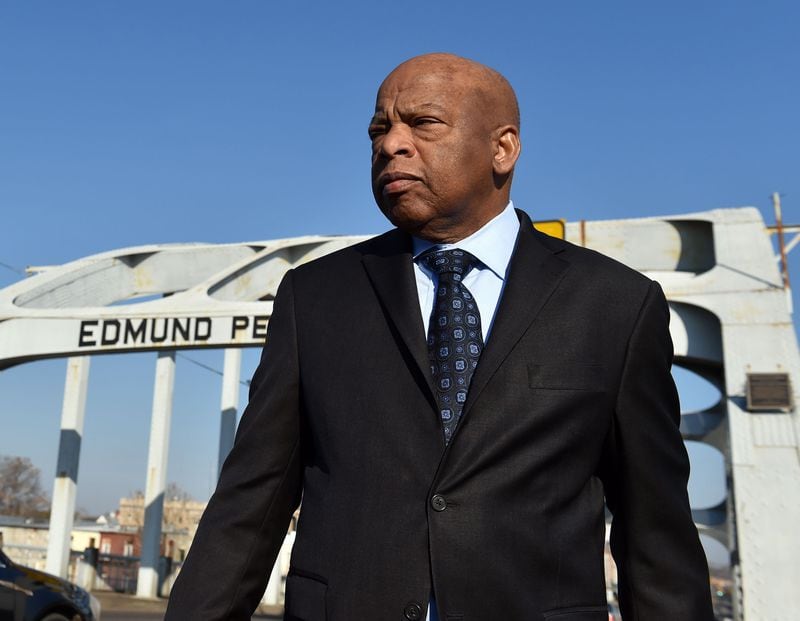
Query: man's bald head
column 445, row 139
column 493, row 90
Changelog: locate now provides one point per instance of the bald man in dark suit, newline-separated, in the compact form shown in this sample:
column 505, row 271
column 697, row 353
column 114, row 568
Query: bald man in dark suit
column 453, row 401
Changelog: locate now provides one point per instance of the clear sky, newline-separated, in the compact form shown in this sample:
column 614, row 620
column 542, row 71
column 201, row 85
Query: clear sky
column 142, row 122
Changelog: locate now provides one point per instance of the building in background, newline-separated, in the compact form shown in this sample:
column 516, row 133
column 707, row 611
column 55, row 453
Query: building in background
column 178, row 526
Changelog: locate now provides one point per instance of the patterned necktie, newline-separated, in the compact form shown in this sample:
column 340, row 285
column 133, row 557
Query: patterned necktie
column 455, row 340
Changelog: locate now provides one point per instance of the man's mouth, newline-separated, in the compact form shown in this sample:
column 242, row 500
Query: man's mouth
column 396, row 182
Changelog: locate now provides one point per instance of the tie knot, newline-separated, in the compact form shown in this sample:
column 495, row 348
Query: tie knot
column 454, row 261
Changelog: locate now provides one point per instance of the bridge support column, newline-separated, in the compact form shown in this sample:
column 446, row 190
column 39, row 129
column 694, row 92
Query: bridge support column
column 65, row 488
column 147, row 585
column 229, row 404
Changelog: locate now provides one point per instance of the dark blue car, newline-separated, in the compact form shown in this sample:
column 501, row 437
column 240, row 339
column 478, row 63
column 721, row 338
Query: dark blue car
column 30, row 595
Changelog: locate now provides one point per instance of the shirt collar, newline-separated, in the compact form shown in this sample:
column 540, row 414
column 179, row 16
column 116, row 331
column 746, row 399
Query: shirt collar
column 492, row 244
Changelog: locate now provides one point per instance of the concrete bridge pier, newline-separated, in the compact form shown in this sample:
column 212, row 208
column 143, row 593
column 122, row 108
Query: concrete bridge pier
column 147, row 584
column 65, row 488
column 229, row 403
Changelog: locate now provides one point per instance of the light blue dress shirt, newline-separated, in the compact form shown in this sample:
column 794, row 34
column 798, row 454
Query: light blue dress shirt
column 493, row 245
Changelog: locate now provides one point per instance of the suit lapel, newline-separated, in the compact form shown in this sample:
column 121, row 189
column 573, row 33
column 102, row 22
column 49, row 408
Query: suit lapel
column 389, row 267
column 535, row 273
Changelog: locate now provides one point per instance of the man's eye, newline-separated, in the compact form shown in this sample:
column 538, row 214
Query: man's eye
column 376, row 131
column 425, row 121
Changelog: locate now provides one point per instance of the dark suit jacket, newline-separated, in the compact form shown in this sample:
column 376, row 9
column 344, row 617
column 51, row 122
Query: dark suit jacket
column 572, row 401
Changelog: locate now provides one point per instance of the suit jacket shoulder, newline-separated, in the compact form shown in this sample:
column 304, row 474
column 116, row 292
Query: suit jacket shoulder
column 340, row 267
column 595, row 264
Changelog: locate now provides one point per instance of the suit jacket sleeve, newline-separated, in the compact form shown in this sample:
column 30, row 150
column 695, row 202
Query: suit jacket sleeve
column 244, row 524
column 662, row 568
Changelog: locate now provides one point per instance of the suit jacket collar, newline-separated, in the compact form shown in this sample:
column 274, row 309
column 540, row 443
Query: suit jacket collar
column 534, row 274
column 388, row 261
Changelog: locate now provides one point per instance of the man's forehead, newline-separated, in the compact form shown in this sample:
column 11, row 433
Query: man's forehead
column 410, row 105
column 437, row 78
column 421, row 90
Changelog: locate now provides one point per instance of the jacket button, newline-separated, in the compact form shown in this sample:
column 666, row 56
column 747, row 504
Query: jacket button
column 438, row 502
column 413, row 612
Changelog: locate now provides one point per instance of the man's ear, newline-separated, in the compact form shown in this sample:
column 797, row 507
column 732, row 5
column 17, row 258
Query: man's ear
column 506, row 149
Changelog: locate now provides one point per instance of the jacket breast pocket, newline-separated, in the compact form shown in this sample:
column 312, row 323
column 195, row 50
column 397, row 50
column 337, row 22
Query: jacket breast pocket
column 305, row 598
column 578, row 613
column 566, row 376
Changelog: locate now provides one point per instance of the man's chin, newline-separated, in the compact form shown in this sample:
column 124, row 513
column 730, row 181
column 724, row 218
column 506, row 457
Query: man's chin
column 410, row 218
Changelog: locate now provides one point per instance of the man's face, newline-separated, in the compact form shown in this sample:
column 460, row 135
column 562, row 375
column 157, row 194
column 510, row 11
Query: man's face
column 432, row 152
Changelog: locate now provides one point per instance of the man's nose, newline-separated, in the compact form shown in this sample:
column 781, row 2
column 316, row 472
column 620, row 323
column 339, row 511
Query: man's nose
column 398, row 142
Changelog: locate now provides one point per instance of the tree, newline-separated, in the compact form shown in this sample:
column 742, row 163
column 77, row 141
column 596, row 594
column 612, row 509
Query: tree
column 176, row 492
column 21, row 490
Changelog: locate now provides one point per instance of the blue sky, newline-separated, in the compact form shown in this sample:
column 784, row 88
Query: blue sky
column 135, row 123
